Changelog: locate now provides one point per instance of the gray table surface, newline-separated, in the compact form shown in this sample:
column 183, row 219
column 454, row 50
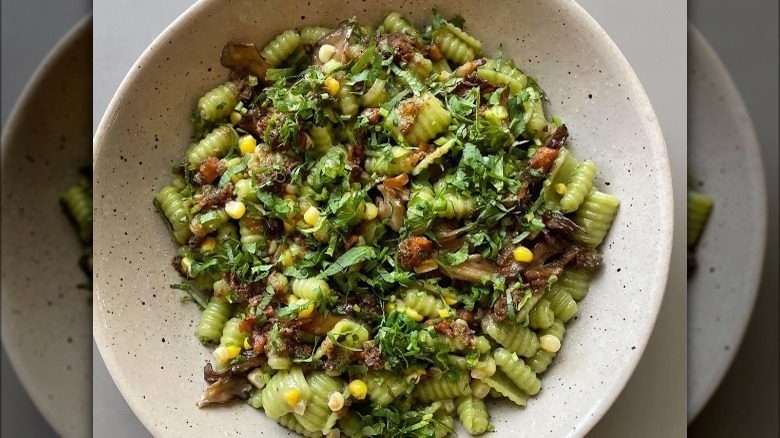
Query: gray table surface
column 30, row 29
column 123, row 29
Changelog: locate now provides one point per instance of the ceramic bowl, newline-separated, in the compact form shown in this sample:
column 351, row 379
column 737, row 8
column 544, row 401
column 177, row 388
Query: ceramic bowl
column 724, row 161
column 45, row 315
column 146, row 335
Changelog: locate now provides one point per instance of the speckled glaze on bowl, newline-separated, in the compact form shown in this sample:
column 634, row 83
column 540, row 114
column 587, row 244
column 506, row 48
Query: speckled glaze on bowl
column 45, row 316
column 724, row 161
column 146, row 335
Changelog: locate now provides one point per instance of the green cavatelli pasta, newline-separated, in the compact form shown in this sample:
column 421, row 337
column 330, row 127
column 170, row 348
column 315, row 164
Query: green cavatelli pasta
column 310, row 34
column 561, row 171
column 348, row 334
column 520, row 373
column 256, row 399
column 281, row 47
column 78, row 203
column 322, row 138
column 456, row 45
column 442, row 388
column 504, row 386
column 595, row 215
column 175, row 208
column 473, row 414
column 252, row 234
column 403, row 161
column 543, row 358
column 213, row 320
column 517, row 338
column 561, row 303
column 318, row 417
column 535, row 121
column 699, row 208
column 424, row 303
column 232, row 334
column 541, row 316
column 443, row 425
column 218, row 102
column 312, row 289
column 395, row 23
column 348, row 102
column 384, row 387
column 376, row 95
column 217, row 143
column 575, row 282
column 506, row 74
column 579, row 186
column 206, row 223
column 419, row 119
column 290, row 422
column 276, row 390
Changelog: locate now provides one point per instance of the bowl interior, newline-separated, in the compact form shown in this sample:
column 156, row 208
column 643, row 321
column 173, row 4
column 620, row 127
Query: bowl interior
column 725, row 163
column 45, row 315
column 146, row 335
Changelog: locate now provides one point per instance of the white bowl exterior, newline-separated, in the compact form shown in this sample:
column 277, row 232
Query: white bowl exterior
column 45, row 315
column 146, row 130
column 724, row 162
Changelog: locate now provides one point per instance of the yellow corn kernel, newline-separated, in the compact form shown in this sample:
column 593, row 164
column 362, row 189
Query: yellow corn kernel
column 443, row 313
column 247, row 345
column 389, row 307
column 235, row 117
column 208, row 244
column 292, row 396
column 186, row 266
column 550, row 343
column 232, row 351
column 326, row 52
column 413, row 314
column 358, row 389
column 235, row 178
column 247, row 144
column 450, row 298
column 335, row 401
column 287, row 259
column 331, row 86
column 560, row 188
column 288, row 226
column 311, row 216
column 235, row 209
column 522, row 254
column 370, row 212
column 308, row 310
column 292, row 299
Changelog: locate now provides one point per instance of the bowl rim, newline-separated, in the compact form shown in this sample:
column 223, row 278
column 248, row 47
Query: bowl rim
column 641, row 102
column 12, row 125
column 748, row 133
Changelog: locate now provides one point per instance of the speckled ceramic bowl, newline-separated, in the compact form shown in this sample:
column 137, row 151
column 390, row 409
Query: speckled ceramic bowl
column 724, row 162
column 45, row 315
column 146, row 335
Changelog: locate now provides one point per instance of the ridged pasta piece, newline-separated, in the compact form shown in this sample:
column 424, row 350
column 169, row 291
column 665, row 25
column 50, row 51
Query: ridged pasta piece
column 218, row 102
column 562, row 169
column 322, row 137
column 456, row 45
column 443, row 425
column 206, row 223
column 595, row 215
column 252, row 231
column 403, row 160
column 441, row 388
column 318, row 416
column 423, row 303
column 78, row 203
column 541, row 316
column 485, row 366
column 504, row 386
column 274, row 400
column 459, row 204
column 535, row 122
column 543, row 358
column 420, row 66
column 256, row 399
column 506, row 74
column 281, row 47
column 349, row 334
column 290, row 422
column 473, row 414
column 520, row 373
column 699, row 208
column 216, row 143
column 232, row 334
column 384, row 387
column 350, row 424
column 310, row 34
column 575, row 282
column 561, row 303
column 512, row 336
column 175, row 208
column 213, row 319
column 312, row 289
column 395, row 23
column 579, row 186
column 348, row 101
column 419, row 119
column 376, row 95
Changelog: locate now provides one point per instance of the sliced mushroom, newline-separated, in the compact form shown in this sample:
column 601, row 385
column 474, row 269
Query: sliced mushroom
column 338, row 38
column 244, row 59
